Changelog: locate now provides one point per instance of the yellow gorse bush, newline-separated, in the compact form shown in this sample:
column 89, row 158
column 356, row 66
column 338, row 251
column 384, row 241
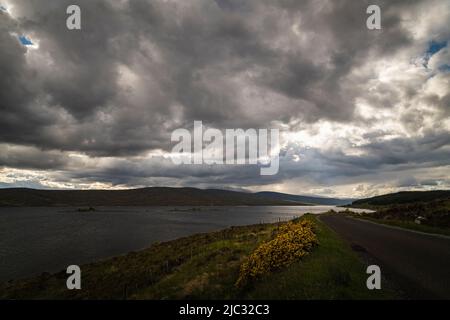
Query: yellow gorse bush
column 293, row 241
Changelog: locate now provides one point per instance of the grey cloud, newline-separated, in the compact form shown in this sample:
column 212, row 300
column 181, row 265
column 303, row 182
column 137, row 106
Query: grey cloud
column 139, row 70
column 201, row 48
column 31, row 158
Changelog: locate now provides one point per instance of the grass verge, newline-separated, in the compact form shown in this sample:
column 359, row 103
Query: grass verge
column 407, row 225
column 331, row 271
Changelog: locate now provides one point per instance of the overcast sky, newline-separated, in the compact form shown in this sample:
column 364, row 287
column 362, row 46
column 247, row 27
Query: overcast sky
column 361, row 112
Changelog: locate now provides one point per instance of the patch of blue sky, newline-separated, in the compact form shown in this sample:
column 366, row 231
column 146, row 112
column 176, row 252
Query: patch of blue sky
column 444, row 68
column 3, row 8
column 25, row 41
column 433, row 48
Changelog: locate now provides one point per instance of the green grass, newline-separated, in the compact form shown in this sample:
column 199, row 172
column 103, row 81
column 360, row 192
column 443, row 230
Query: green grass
column 409, row 225
column 436, row 214
column 206, row 266
column 331, row 271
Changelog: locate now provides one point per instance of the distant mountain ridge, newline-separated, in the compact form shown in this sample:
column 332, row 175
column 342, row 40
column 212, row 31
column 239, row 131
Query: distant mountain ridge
column 306, row 199
column 157, row 196
column 154, row 196
column 166, row 196
column 403, row 197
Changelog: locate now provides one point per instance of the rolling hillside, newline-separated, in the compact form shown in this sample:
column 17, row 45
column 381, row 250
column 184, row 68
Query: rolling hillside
column 403, row 198
column 134, row 197
column 432, row 206
column 306, row 199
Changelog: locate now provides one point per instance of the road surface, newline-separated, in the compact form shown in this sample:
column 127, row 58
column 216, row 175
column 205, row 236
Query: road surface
column 418, row 264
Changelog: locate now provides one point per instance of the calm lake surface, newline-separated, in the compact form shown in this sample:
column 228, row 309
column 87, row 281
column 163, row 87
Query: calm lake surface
column 36, row 240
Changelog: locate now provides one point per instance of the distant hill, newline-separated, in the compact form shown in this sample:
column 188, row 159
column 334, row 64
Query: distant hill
column 136, row 197
column 305, row 199
column 432, row 206
column 404, row 197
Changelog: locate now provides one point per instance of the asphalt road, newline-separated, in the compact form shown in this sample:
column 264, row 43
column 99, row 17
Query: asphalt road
column 418, row 264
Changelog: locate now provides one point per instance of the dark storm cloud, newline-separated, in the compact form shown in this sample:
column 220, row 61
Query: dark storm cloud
column 201, row 45
column 32, row 158
column 16, row 92
column 140, row 69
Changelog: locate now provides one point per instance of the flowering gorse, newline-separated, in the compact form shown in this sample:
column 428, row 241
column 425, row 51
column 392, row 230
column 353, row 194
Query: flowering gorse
column 293, row 241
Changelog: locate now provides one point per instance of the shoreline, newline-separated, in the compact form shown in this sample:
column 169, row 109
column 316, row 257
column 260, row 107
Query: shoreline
column 206, row 266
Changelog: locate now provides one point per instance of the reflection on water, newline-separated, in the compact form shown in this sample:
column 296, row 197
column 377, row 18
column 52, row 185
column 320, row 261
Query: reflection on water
column 36, row 240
